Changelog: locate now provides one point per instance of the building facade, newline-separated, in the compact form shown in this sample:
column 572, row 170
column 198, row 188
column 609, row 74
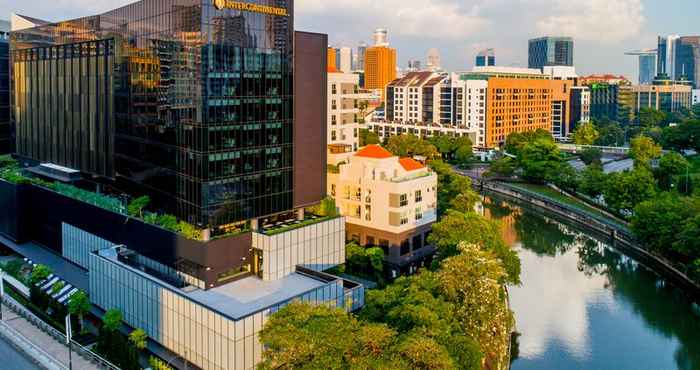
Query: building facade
column 611, row 98
column 550, row 51
column 647, row 65
column 345, row 63
column 388, row 202
column 433, row 62
column 486, row 58
column 345, row 113
column 696, row 96
column 195, row 106
column 663, row 95
column 679, row 58
column 580, row 108
column 380, row 67
column 6, row 136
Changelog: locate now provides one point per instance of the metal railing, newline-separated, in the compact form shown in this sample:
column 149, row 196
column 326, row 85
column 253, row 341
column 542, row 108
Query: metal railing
column 86, row 353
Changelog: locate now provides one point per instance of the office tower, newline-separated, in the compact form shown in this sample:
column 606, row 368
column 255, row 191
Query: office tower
column 361, row 51
column 666, row 61
column 580, row 108
column 551, row 51
column 6, row 139
column 664, row 94
column 486, row 58
column 611, row 97
column 381, row 37
column 344, row 113
column 647, row 65
column 433, row 61
column 389, row 202
column 228, row 126
column 345, row 62
column 380, row 67
column 332, row 58
column 688, row 59
column 414, row 65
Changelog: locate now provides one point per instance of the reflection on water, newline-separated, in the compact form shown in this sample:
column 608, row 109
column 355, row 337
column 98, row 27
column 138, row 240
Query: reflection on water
column 583, row 305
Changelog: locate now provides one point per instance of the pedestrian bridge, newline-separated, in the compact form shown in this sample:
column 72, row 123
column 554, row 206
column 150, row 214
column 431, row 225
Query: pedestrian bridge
column 610, row 150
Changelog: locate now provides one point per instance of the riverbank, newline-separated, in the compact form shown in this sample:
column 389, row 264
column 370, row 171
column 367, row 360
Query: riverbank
column 622, row 237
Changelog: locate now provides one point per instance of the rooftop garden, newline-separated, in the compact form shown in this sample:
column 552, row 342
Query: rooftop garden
column 324, row 211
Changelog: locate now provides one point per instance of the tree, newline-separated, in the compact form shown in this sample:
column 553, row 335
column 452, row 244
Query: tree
column 658, row 222
column 670, row 165
column 649, row 117
column 585, row 133
column 465, row 202
column 516, row 141
column 623, row 191
column 368, row 137
column 411, row 145
column 138, row 339
column 112, row 320
column 458, row 227
column 566, row 177
column 539, row 160
column 591, row 155
column 505, row 166
column 39, row 274
column 79, row 305
column 643, row 150
column 593, row 181
column 688, row 241
column 464, row 155
column 303, row 336
column 611, row 133
column 136, row 206
column 425, row 353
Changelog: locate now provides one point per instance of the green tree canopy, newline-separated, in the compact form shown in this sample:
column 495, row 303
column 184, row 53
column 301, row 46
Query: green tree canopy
column 112, row 320
column 368, row 137
column 136, row 206
column 591, row 155
column 39, row 273
column 138, row 339
column 623, row 191
column 658, row 222
column 79, row 305
column 649, row 117
column 593, row 181
column 516, row 141
column 643, row 149
column 585, row 133
column 411, row 145
column 540, row 160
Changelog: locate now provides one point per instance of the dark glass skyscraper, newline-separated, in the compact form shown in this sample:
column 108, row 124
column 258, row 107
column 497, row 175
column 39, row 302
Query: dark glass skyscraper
column 6, row 140
column 550, row 51
column 189, row 101
column 486, row 58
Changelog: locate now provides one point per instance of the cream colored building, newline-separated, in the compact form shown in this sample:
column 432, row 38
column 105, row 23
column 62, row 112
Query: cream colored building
column 389, row 202
column 344, row 111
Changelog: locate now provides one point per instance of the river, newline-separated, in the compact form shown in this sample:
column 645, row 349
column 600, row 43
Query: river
column 584, row 305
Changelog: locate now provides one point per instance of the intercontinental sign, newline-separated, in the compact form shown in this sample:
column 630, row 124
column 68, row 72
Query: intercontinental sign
column 256, row 8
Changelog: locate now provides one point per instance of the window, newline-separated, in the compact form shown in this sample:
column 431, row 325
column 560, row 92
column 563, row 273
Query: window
column 405, row 247
column 368, row 213
column 332, row 190
column 419, row 213
column 334, row 89
column 334, row 136
column 403, row 202
column 370, row 241
column 404, row 218
column 419, row 196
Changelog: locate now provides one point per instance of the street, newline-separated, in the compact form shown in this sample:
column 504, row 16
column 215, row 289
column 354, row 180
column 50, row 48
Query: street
column 12, row 359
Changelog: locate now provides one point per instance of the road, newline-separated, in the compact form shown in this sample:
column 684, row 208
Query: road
column 13, row 359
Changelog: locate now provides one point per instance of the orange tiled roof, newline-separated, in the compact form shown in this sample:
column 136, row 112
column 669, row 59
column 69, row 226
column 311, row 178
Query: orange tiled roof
column 332, row 69
column 410, row 164
column 374, row 151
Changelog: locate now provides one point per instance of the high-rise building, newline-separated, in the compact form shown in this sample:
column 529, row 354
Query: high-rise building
column 415, row 97
column 486, row 58
column 688, row 59
column 550, row 51
column 414, row 65
column 333, row 58
column 388, row 202
column 696, row 96
column 345, row 62
column 380, row 67
column 433, row 62
column 344, row 111
column 6, row 139
column 580, row 108
column 361, row 51
column 611, row 97
column 381, row 37
column 666, row 61
column 664, row 94
column 647, row 65
column 203, row 112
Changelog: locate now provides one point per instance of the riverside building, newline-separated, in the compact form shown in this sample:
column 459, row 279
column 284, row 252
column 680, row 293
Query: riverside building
column 216, row 108
column 6, row 139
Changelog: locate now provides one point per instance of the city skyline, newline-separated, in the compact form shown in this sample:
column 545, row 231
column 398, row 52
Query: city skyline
column 602, row 30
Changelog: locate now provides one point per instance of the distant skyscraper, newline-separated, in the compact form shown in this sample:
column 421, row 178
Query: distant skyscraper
column 486, row 58
column 345, row 62
column 647, row 65
column 551, row 51
column 6, row 141
column 361, row 51
column 380, row 67
column 414, row 65
column 332, row 59
column 381, row 37
column 679, row 57
column 433, row 61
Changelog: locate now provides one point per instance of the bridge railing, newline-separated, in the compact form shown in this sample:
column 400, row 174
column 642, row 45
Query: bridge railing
column 605, row 149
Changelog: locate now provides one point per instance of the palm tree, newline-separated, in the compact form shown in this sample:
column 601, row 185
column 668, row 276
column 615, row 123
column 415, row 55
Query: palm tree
column 79, row 305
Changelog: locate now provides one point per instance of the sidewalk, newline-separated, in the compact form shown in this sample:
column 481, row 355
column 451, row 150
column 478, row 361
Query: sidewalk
column 54, row 348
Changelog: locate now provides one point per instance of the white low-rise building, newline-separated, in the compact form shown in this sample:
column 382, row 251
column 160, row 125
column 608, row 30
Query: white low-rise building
column 389, row 202
column 344, row 109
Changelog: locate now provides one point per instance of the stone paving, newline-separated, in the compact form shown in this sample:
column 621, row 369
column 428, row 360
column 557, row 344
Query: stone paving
column 54, row 348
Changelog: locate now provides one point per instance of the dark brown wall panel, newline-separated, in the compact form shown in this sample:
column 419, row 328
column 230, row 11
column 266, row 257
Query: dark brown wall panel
column 310, row 85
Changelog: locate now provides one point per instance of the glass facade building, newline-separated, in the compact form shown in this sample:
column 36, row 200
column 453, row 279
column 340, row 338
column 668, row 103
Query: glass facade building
column 551, row 51
column 186, row 101
column 6, row 140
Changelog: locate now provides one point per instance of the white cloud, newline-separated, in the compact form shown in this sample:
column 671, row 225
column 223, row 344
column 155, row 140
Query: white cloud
column 605, row 21
column 443, row 19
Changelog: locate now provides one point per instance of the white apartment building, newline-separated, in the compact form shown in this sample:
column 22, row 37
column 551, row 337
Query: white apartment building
column 344, row 113
column 389, row 202
column 696, row 96
column 345, row 59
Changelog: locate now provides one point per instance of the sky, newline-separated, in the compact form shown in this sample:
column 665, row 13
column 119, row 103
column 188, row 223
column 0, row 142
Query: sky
column 602, row 29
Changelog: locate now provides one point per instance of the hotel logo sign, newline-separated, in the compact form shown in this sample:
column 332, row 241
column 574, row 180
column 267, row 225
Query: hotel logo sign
column 255, row 8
